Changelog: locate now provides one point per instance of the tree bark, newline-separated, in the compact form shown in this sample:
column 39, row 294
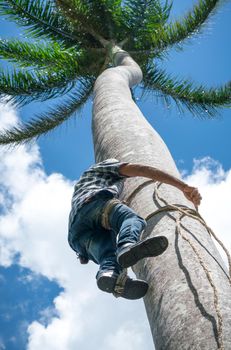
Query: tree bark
column 180, row 301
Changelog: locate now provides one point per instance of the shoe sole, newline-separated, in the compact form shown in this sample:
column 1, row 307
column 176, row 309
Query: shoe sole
column 150, row 247
column 106, row 283
column 134, row 289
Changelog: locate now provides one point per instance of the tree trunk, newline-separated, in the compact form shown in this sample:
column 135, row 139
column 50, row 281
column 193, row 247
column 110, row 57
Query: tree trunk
column 180, row 301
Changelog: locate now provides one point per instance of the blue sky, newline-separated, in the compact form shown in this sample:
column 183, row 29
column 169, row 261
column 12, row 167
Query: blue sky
column 35, row 288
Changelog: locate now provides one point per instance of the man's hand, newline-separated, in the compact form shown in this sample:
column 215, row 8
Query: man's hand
column 192, row 194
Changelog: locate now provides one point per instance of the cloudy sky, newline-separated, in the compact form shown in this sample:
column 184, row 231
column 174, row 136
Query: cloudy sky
column 47, row 299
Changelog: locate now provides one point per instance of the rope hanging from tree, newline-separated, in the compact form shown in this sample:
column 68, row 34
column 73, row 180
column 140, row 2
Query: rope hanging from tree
column 182, row 212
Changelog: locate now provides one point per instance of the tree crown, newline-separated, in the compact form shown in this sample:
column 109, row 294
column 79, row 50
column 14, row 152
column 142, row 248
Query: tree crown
column 70, row 45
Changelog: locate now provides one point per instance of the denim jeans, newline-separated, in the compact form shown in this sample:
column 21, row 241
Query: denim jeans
column 89, row 239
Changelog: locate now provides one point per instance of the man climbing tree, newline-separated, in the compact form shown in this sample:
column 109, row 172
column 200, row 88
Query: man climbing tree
column 86, row 39
column 96, row 219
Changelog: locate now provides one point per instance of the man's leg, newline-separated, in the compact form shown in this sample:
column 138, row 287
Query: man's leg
column 99, row 245
column 101, row 249
column 124, row 221
column 129, row 225
column 111, row 278
column 88, row 238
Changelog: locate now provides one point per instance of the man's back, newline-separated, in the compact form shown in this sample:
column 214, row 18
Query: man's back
column 100, row 177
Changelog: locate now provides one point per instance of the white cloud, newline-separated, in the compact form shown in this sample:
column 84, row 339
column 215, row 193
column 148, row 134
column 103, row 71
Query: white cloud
column 8, row 116
column 33, row 222
column 126, row 338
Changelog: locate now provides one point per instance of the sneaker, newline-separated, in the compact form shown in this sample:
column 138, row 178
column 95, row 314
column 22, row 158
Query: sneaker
column 121, row 285
column 129, row 254
column 106, row 280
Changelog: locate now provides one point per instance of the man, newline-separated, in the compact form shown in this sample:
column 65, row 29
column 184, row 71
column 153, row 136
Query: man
column 97, row 218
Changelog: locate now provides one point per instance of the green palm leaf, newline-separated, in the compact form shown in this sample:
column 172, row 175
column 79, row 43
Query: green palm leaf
column 99, row 18
column 82, row 32
column 24, row 87
column 79, row 14
column 54, row 117
column 199, row 100
column 39, row 54
column 143, row 18
column 191, row 23
column 41, row 19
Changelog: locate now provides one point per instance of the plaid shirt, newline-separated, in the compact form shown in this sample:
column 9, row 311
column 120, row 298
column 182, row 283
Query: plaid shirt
column 102, row 177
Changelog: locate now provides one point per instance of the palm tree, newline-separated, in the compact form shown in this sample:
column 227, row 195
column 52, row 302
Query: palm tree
column 109, row 46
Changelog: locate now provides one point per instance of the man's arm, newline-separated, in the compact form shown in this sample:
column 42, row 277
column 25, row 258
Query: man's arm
column 155, row 174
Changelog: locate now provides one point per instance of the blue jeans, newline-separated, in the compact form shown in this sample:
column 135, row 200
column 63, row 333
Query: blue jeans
column 89, row 239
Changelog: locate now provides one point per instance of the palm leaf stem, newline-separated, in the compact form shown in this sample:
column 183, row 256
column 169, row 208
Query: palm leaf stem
column 36, row 54
column 19, row 12
column 49, row 120
column 178, row 31
column 24, row 87
column 80, row 19
column 199, row 100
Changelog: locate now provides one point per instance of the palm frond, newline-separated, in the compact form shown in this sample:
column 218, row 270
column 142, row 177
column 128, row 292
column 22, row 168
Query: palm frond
column 79, row 14
column 143, row 18
column 199, row 100
column 39, row 54
column 115, row 19
column 107, row 16
column 41, row 18
column 184, row 28
column 21, row 87
column 102, row 19
column 45, row 122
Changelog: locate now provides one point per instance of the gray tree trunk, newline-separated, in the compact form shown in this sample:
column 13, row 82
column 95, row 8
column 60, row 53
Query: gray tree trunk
column 180, row 301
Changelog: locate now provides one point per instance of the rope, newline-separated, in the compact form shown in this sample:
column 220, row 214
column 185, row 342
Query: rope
column 208, row 275
column 185, row 211
column 194, row 215
column 106, row 211
column 120, row 284
column 137, row 189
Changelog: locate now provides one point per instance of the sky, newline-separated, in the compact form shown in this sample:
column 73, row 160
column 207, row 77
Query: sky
column 47, row 299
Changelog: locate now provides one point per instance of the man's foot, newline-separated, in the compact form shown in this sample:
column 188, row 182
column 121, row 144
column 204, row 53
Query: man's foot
column 129, row 254
column 121, row 285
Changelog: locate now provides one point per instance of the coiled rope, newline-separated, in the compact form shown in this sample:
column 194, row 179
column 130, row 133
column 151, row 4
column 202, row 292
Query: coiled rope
column 182, row 212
